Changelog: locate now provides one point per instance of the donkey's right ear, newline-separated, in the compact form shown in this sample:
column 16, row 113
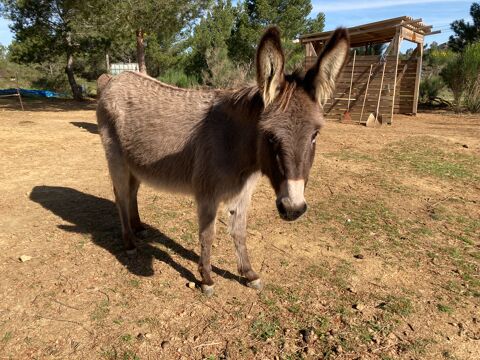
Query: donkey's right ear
column 270, row 63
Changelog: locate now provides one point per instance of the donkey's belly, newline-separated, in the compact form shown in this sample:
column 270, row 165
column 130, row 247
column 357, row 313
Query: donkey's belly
column 171, row 172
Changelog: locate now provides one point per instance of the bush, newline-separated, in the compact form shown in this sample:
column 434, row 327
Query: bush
column 453, row 75
column 56, row 82
column 430, row 89
column 222, row 72
column 462, row 77
column 471, row 68
column 178, row 78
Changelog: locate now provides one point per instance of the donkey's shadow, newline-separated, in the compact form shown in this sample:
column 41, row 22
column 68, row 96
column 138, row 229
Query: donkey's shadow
column 98, row 217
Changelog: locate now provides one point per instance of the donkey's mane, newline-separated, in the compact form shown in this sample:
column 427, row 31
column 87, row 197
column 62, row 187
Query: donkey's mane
column 251, row 95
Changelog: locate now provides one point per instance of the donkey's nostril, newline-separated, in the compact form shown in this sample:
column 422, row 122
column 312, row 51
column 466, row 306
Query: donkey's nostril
column 281, row 209
column 288, row 212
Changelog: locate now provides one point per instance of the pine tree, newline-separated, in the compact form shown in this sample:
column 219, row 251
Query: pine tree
column 465, row 32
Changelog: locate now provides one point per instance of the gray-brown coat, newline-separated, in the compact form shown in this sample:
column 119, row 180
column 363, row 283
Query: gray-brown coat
column 214, row 144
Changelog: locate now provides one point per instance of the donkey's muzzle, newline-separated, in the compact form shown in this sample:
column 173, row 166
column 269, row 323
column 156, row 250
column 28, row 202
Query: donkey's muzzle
column 288, row 212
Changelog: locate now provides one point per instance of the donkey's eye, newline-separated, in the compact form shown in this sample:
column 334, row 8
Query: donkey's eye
column 272, row 140
column 314, row 137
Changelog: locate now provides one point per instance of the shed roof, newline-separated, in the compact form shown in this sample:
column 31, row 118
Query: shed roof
column 378, row 32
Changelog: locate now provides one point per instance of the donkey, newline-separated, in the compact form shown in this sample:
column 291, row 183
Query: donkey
column 215, row 144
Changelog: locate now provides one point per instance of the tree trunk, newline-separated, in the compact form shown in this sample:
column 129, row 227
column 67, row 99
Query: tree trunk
column 76, row 90
column 141, row 51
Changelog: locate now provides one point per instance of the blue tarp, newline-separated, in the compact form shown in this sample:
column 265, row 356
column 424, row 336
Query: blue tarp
column 32, row 93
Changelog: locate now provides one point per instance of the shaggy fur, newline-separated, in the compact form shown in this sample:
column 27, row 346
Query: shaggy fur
column 214, row 144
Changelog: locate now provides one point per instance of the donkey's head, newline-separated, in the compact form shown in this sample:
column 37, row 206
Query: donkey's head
column 293, row 116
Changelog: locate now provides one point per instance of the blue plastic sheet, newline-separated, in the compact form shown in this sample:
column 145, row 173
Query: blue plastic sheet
column 32, row 93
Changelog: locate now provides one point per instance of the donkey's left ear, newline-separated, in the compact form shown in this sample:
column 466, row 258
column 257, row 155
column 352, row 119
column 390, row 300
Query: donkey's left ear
column 322, row 76
column 270, row 64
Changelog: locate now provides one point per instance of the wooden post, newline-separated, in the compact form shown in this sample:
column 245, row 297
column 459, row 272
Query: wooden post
column 107, row 63
column 418, row 77
column 309, row 53
column 18, row 92
column 398, row 41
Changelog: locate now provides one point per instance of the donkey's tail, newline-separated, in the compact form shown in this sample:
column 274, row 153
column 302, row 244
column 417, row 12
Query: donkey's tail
column 102, row 82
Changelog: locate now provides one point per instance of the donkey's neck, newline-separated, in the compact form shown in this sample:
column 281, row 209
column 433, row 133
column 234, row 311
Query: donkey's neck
column 243, row 108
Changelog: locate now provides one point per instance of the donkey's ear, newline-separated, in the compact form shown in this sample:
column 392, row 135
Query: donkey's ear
column 270, row 64
column 322, row 76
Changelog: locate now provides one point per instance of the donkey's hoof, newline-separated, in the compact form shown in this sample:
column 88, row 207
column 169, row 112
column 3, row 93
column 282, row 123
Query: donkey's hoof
column 255, row 284
column 207, row 290
column 131, row 252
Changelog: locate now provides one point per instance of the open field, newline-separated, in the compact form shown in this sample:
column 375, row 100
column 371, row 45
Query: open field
column 385, row 264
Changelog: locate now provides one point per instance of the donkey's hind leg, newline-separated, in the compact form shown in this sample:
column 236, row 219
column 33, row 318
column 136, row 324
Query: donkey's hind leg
column 135, row 223
column 207, row 213
column 120, row 175
column 238, row 230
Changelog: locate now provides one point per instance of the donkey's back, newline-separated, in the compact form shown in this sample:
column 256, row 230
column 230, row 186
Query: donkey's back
column 149, row 125
column 216, row 143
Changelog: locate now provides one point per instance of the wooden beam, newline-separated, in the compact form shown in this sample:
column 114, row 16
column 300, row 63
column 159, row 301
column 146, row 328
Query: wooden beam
column 411, row 35
column 310, row 50
column 352, row 31
column 398, row 41
column 408, row 22
column 417, row 79
column 369, row 27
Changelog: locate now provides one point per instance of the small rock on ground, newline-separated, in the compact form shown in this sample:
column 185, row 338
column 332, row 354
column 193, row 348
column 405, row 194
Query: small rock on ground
column 25, row 258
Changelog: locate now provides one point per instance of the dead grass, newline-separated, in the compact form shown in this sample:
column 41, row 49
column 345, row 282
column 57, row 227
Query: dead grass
column 385, row 265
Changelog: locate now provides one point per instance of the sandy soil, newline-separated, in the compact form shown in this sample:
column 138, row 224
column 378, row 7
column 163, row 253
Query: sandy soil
column 385, row 265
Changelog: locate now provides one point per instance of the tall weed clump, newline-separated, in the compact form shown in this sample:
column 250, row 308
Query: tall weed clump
column 471, row 68
column 453, row 75
column 221, row 72
column 461, row 74
column 430, row 89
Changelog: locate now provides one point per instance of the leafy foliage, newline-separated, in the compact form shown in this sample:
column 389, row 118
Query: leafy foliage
column 471, row 68
column 465, row 32
column 454, row 76
column 254, row 15
column 430, row 89
column 461, row 74
column 45, row 30
column 184, row 42
column 178, row 78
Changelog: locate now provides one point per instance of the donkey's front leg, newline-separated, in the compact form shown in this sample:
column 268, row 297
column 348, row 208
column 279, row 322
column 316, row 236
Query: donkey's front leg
column 207, row 212
column 238, row 230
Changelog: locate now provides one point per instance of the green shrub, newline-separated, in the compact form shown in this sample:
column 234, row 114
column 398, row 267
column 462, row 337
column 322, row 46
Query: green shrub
column 439, row 57
column 462, row 76
column 55, row 82
column 222, row 72
column 471, row 66
column 178, row 78
column 430, row 89
column 453, row 75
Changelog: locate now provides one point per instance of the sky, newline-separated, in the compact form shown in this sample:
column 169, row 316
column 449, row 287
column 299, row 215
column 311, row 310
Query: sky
column 439, row 13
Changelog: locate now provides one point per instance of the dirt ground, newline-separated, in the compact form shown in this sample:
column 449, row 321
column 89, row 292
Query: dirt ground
column 385, row 264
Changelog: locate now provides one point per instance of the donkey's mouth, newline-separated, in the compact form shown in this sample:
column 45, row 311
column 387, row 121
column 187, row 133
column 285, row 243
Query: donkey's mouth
column 289, row 213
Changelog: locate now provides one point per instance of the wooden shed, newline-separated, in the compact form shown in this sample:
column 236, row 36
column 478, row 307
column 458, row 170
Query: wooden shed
column 400, row 89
